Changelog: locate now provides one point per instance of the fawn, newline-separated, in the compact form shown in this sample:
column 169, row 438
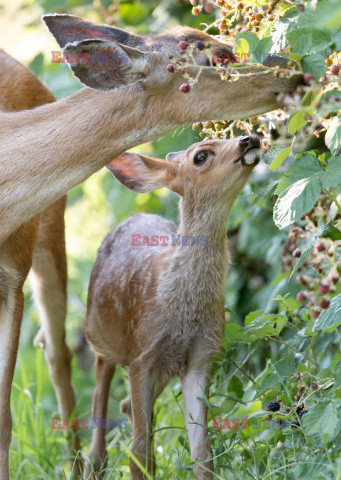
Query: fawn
column 160, row 310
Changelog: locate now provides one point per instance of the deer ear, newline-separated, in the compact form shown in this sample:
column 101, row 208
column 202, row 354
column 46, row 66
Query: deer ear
column 105, row 65
column 100, row 56
column 142, row 174
column 70, row 29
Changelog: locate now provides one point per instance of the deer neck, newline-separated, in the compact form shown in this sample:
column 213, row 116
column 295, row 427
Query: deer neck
column 196, row 273
column 53, row 148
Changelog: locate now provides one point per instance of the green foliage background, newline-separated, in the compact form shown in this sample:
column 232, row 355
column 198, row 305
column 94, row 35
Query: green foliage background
column 252, row 369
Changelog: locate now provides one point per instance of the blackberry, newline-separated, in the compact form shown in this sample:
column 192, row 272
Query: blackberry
column 200, row 45
column 273, row 406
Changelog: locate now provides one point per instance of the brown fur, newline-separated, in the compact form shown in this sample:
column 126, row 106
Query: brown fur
column 47, row 150
column 160, row 310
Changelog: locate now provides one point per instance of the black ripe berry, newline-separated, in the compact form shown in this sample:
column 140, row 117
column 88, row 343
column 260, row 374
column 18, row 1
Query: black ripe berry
column 200, row 45
column 273, row 407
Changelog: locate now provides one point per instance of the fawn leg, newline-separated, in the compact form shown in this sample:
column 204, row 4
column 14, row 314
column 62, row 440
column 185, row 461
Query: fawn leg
column 193, row 386
column 97, row 453
column 49, row 284
column 11, row 311
column 142, row 391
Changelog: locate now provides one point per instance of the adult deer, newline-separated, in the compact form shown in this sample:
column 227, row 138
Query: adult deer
column 160, row 310
column 46, row 151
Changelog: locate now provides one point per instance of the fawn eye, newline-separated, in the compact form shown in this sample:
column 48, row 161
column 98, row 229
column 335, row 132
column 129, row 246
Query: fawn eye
column 200, row 157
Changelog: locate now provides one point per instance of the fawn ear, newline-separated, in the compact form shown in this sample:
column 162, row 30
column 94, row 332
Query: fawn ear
column 94, row 54
column 144, row 174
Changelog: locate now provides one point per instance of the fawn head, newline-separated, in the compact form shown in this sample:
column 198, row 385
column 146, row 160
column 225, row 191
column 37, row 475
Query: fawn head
column 212, row 172
column 107, row 58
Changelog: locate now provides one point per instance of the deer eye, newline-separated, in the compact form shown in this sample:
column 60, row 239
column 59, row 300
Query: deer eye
column 200, row 157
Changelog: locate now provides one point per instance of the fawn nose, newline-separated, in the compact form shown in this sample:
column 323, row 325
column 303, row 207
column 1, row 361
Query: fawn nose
column 249, row 142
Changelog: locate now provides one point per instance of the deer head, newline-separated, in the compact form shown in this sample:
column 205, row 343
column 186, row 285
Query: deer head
column 107, row 58
column 209, row 175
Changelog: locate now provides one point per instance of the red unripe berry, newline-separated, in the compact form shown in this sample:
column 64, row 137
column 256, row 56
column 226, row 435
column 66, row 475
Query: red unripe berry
column 183, row 45
column 301, row 297
column 335, row 69
column 319, row 247
column 208, row 8
column 325, row 302
column 208, row 124
column 184, row 88
column 308, row 78
column 170, row 68
column 315, row 312
column 323, row 289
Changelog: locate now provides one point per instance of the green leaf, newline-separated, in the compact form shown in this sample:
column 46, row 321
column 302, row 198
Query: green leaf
column 295, row 201
column 314, row 64
column 330, row 318
column 328, row 13
column 306, row 165
column 333, row 135
column 236, row 386
column 306, row 41
column 298, row 120
column 267, row 190
column 328, row 419
column 132, row 13
column 248, row 42
column 37, row 64
column 311, row 420
column 278, row 158
column 285, row 367
column 267, row 382
column 330, row 231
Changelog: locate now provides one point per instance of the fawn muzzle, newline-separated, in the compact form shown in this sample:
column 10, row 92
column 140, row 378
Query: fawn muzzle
column 251, row 151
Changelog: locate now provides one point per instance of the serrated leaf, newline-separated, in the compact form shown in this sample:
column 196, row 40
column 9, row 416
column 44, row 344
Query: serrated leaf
column 305, row 165
column 328, row 419
column 331, row 177
column 307, row 40
column 329, row 231
column 267, row 382
column 285, row 367
column 311, row 420
column 295, row 201
column 333, row 135
column 314, row 64
column 330, row 318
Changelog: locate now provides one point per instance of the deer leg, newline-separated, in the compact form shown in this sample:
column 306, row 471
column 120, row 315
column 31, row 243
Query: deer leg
column 11, row 311
column 193, row 388
column 97, row 453
column 49, row 283
column 142, row 391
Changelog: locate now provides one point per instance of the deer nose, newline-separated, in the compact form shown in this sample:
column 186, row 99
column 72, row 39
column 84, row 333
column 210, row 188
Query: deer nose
column 249, row 142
